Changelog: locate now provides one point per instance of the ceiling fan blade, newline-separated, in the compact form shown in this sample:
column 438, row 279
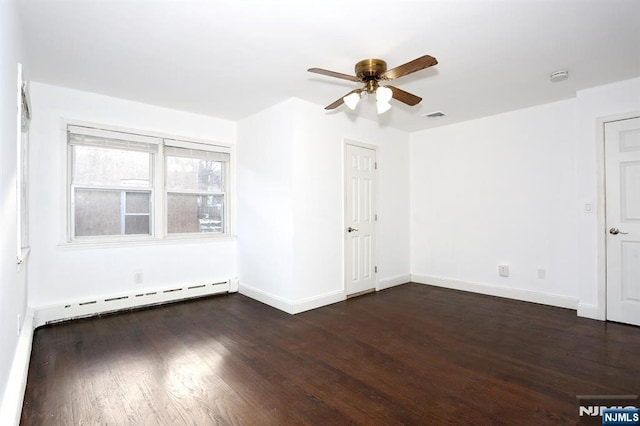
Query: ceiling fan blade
column 405, row 97
column 417, row 64
column 340, row 101
column 334, row 74
column 335, row 105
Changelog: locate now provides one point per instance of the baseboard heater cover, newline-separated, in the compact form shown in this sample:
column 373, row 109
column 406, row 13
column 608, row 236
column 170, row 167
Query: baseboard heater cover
column 89, row 308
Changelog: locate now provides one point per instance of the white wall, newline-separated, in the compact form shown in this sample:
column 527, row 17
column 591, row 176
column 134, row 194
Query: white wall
column 291, row 247
column 62, row 274
column 265, row 212
column 498, row 190
column 318, row 188
column 593, row 104
column 13, row 288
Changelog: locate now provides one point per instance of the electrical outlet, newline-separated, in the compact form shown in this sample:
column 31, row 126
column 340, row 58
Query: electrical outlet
column 503, row 270
column 542, row 273
column 138, row 277
column 19, row 324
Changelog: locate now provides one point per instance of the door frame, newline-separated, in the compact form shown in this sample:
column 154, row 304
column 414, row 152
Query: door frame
column 374, row 148
column 601, row 216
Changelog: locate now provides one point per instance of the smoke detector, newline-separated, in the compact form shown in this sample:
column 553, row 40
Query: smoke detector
column 559, row 76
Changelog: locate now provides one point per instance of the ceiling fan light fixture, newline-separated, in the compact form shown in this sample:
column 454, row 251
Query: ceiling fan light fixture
column 383, row 107
column 383, row 94
column 351, row 100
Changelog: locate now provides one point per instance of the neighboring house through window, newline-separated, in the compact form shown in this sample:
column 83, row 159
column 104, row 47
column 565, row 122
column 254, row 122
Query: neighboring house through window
column 131, row 186
column 195, row 183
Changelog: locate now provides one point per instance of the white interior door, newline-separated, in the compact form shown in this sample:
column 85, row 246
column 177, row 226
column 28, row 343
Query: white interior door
column 360, row 238
column 622, row 157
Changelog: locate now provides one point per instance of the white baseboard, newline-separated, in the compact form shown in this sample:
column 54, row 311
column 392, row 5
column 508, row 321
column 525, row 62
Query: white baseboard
column 590, row 311
column 318, row 301
column 266, row 298
column 493, row 290
column 291, row 306
column 393, row 281
column 96, row 306
column 11, row 408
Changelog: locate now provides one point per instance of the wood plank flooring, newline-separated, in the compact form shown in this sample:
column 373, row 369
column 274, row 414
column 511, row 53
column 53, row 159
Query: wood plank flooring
column 412, row 354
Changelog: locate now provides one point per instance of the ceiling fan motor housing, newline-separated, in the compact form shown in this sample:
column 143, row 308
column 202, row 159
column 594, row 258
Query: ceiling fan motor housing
column 369, row 71
column 370, row 68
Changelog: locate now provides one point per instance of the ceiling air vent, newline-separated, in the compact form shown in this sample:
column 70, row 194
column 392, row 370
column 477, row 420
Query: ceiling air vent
column 435, row 114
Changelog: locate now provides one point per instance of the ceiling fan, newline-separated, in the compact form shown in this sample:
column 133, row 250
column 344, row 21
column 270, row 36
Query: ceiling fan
column 371, row 72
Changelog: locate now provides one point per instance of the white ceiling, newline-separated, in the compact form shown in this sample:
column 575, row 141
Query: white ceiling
column 230, row 59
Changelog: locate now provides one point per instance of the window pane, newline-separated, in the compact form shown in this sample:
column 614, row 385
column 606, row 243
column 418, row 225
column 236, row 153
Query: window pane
column 193, row 174
column 97, row 212
column 111, row 167
column 194, row 213
column 138, row 202
column 138, row 224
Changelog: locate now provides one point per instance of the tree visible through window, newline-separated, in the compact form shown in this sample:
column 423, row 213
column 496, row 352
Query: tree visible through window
column 116, row 186
column 195, row 192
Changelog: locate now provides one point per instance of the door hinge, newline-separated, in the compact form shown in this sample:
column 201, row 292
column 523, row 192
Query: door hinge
column 375, row 269
column 375, row 165
column 375, row 217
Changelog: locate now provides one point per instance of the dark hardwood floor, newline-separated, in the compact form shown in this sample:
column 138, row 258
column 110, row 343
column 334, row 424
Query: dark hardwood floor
column 413, row 354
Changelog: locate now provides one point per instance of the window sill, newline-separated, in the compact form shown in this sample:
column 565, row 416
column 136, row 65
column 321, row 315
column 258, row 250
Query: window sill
column 172, row 240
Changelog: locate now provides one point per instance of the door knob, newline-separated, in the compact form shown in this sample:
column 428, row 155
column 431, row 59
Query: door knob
column 350, row 229
column 616, row 231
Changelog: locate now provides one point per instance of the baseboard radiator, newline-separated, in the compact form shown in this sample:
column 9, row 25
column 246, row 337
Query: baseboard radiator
column 101, row 306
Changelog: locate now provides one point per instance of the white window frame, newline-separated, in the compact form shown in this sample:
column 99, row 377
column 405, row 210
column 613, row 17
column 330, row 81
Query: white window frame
column 121, row 141
column 224, row 154
column 158, row 225
column 22, row 169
